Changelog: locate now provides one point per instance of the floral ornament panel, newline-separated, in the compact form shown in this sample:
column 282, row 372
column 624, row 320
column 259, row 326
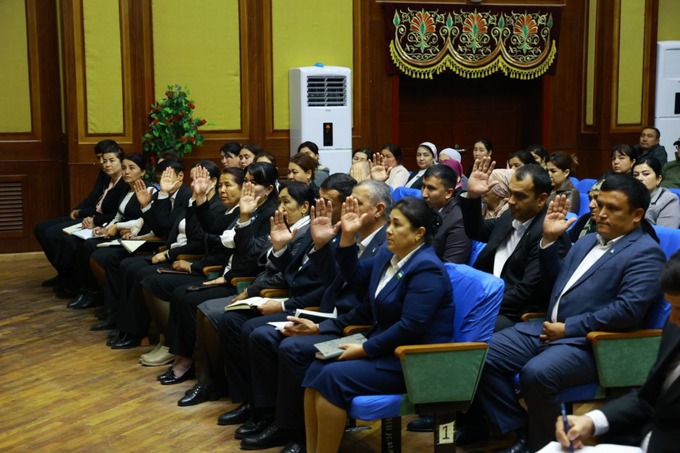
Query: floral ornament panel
column 472, row 42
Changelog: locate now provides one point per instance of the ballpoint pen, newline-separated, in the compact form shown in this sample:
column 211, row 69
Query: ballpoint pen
column 566, row 427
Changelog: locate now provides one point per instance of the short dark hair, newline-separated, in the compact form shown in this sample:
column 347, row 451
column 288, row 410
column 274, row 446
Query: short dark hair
column 267, row 155
column 106, row 146
column 637, row 193
column 255, row 149
column 237, row 173
column 538, row 175
column 118, row 152
column 231, row 148
column 486, row 142
column 342, row 182
column 538, row 149
column 395, row 150
column 311, row 145
column 213, row 169
column 266, row 175
column 366, row 150
column 299, row 191
column 564, row 161
column 524, row 156
column 670, row 277
column 652, row 162
column 174, row 164
column 622, row 148
column 658, row 132
column 306, row 162
column 444, row 173
column 169, row 154
column 419, row 214
column 137, row 159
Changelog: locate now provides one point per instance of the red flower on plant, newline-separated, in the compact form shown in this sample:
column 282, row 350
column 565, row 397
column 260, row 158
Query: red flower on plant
column 191, row 105
column 203, row 121
column 184, row 139
column 193, row 140
column 154, row 122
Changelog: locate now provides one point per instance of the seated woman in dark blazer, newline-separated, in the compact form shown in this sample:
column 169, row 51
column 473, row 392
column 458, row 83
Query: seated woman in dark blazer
column 410, row 301
column 185, row 237
column 62, row 248
column 248, row 237
column 47, row 231
column 127, row 217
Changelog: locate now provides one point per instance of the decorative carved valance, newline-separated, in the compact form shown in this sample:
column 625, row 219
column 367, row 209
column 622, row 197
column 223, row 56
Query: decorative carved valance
column 472, row 41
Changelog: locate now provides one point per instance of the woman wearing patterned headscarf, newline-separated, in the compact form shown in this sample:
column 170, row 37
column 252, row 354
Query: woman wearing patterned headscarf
column 495, row 201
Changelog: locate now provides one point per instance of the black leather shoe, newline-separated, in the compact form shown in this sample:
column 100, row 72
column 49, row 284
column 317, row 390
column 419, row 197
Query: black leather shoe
column 271, row 436
column 89, row 300
column 54, row 281
column 113, row 336
column 294, row 447
column 520, row 446
column 256, row 425
column 126, row 342
column 236, row 416
column 168, row 373
column 471, row 433
column 424, row 424
column 107, row 324
column 78, row 300
column 172, row 379
column 198, row 394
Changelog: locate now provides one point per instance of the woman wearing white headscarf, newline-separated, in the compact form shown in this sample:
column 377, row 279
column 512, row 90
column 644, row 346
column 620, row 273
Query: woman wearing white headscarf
column 426, row 156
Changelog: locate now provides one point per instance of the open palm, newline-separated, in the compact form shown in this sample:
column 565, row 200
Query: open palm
column 321, row 226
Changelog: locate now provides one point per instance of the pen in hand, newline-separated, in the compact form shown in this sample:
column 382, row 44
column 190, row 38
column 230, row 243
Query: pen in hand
column 566, row 427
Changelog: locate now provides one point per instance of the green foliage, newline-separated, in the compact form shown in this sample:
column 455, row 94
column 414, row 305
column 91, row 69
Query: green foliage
column 172, row 126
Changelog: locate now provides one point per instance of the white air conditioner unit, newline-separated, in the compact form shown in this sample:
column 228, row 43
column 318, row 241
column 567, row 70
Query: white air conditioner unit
column 667, row 108
column 321, row 112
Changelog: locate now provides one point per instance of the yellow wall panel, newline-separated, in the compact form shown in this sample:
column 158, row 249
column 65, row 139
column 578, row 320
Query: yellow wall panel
column 590, row 62
column 196, row 44
column 305, row 32
column 631, row 53
column 103, row 70
column 669, row 16
column 15, row 102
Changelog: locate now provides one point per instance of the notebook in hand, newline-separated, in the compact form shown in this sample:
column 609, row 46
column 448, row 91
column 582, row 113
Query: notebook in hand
column 330, row 349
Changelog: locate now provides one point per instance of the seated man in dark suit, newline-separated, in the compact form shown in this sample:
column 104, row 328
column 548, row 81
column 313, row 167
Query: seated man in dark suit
column 439, row 192
column 649, row 417
column 606, row 282
column 278, row 364
column 511, row 251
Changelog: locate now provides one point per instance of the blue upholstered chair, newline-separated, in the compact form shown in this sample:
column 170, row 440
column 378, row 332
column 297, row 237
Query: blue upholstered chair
column 583, row 206
column 584, row 185
column 441, row 379
column 400, row 192
column 476, row 248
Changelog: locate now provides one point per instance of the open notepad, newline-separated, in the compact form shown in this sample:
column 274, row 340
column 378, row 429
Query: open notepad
column 78, row 231
column 131, row 245
column 555, row 447
column 250, row 303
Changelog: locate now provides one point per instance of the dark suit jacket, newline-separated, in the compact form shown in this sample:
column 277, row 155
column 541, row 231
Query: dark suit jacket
column 109, row 203
column 451, row 243
column 338, row 294
column 632, row 416
column 613, row 295
column 415, row 307
column 196, row 237
column 164, row 215
column 524, row 291
column 88, row 205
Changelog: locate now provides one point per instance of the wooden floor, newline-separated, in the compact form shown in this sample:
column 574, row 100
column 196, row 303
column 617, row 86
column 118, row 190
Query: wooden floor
column 62, row 389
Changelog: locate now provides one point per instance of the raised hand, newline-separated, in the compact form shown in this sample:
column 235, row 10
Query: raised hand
column 279, row 232
column 249, row 201
column 350, row 221
column 169, row 181
column 143, row 195
column 360, row 171
column 200, row 185
column 321, row 226
column 379, row 170
column 478, row 183
column 556, row 223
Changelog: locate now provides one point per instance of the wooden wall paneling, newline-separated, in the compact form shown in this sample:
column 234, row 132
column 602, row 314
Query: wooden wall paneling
column 142, row 69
